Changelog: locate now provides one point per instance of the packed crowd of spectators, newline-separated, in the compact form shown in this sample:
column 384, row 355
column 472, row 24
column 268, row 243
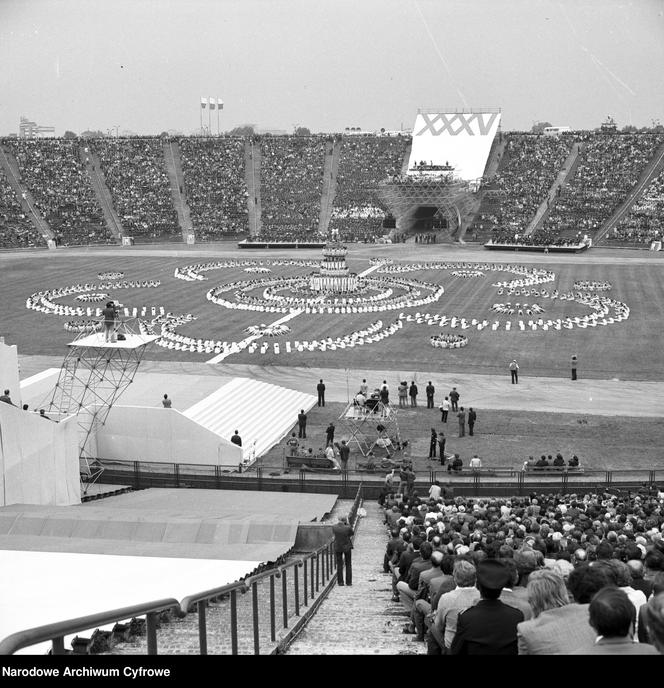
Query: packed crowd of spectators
column 16, row 230
column 577, row 544
column 529, row 167
column 215, row 185
column 292, row 170
column 643, row 224
column 544, row 237
column 609, row 167
column 135, row 174
column 365, row 161
column 55, row 175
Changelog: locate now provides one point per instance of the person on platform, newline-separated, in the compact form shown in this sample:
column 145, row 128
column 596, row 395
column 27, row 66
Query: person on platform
column 574, row 362
column 6, row 398
column 110, row 315
column 166, row 402
column 42, row 414
column 320, row 388
column 236, row 439
column 475, row 463
column 302, row 424
column 364, row 389
column 343, row 547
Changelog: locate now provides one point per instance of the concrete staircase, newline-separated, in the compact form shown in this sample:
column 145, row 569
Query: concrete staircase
column 332, row 155
column 406, row 158
column 92, row 166
column 173, row 163
column 652, row 170
column 361, row 619
column 252, row 171
column 567, row 171
column 495, row 161
column 10, row 168
column 260, row 411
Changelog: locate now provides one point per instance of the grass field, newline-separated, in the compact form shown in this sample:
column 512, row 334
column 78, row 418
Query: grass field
column 630, row 350
column 508, row 438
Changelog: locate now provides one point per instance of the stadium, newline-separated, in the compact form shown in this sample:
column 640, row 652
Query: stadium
column 243, row 344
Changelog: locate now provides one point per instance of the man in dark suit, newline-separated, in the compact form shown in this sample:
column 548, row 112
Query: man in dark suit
column 302, row 424
column 489, row 627
column 320, row 388
column 472, row 417
column 430, row 390
column 343, row 546
column 612, row 615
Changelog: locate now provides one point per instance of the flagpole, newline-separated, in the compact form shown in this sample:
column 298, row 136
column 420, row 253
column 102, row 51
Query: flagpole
column 209, row 125
column 218, row 132
column 201, row 111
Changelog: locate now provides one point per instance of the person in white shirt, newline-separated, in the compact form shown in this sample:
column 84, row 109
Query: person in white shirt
column 444, row 409
column 475, row 462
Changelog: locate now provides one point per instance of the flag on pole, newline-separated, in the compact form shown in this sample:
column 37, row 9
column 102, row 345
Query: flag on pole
column 212, row 103
column 204, row 102
column 220, row 104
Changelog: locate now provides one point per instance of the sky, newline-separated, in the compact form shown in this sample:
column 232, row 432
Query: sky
column 142, row 66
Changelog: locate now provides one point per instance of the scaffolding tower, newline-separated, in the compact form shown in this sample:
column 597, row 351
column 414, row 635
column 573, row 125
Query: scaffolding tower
column 362, row 425
column 94, row 374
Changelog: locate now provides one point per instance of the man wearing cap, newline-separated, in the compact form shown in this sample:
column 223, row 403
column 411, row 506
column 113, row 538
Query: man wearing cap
column 489, row 627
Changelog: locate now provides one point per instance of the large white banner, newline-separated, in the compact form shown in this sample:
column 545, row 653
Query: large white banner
column 461, row 140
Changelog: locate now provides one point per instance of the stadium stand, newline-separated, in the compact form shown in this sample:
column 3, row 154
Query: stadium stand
column 136, row 177
column 618, row 534
column 609, row 167
column 215, row 187
column 291, row 190
column 16, row 230
column 529, row 166
column 643, row 224
column 54, row 174
column 291, row 186
column 365, row 161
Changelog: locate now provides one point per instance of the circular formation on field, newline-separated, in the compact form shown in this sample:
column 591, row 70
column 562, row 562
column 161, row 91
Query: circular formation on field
column 286, row 294
column 389, row 288
column 110, row 275
column 448, row 341
column 467, row 273
column 92, row 298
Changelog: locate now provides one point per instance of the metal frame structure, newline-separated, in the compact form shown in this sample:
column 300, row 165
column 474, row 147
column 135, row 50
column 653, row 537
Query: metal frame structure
column 360, row 424
column 93, row 375
column 452, row 197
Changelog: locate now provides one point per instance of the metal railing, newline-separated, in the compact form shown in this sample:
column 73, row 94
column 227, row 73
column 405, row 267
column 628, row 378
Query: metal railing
column 317, row 567
column 510, row 479
column 56, row 632
column 312, row 576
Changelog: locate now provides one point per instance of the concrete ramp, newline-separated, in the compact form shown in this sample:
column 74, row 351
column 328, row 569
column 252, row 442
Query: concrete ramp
column 261, row 412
